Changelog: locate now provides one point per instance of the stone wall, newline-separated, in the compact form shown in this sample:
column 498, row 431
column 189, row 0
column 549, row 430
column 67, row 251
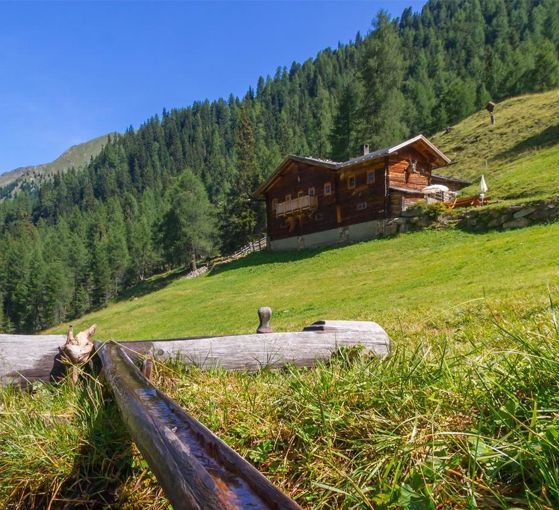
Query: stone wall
column 479, row 219
column 510, row 216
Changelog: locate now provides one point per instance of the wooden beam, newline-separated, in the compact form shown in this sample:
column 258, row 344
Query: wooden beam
column 254, row 352
column 28, row 358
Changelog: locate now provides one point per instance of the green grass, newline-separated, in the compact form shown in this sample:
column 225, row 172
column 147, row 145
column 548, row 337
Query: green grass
column 519, row 155
column 412, row 278
column 462, row 414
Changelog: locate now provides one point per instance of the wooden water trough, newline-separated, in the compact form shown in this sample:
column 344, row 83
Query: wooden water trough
column 194, row 467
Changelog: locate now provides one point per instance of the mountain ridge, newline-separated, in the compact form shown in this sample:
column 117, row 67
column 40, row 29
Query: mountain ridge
column 76, row 156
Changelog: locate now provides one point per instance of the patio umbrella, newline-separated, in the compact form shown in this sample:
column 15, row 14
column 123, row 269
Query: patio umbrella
column 482, row 188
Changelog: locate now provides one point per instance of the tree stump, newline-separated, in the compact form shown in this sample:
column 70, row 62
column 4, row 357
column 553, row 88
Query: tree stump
column 78, row 349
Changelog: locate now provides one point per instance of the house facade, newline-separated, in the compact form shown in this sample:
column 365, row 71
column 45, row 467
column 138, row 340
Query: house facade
column 312, row 202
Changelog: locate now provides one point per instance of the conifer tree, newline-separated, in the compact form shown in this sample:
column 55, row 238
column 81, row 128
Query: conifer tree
column 382, row 75
column 187, row 230
column 545, row 75
column 344, row 137
column 243, row 216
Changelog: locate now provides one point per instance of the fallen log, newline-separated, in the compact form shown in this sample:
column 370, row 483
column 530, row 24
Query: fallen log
column 254, row 352
column 28, row 358
column 193, row 466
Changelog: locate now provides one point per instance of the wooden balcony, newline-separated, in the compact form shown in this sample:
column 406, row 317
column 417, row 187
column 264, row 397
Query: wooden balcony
column 296, row 205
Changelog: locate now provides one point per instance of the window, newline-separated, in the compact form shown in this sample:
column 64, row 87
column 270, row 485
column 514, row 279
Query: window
column 361, row 206
column 351, row 182
column 311, row 192
column 300, row 194
column 327, row 188
column 371, row 177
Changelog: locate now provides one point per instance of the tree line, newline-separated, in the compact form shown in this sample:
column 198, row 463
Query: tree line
column 180, row 186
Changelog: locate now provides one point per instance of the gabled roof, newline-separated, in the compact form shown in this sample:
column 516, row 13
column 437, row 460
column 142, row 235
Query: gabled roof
column 322, row 163
column 333, row 165
column 386, row 151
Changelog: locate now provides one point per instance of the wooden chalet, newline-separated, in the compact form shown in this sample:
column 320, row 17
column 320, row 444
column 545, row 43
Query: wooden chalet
column 311, row 202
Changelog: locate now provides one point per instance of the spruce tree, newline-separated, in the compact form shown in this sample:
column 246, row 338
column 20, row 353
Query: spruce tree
column 382, row 75
column 187, row 230
column 344, row 137
column 242, row 217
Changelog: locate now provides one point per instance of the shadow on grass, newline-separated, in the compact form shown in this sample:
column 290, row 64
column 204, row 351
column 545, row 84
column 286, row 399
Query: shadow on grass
column 269, row 257
column 150, row 285
column 545, row 138
column 102, row 465
column 105, row 459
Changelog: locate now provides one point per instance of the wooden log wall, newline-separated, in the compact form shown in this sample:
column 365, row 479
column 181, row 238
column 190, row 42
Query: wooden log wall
column 399, row 175
column 299, row 178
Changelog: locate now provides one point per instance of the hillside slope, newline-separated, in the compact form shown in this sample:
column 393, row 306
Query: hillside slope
column 519, row 155
column 412, row 278
column 76, row 156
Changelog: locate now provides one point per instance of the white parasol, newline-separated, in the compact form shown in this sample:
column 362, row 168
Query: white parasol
column 483, row 188
column 483, row 185
column 435, row 188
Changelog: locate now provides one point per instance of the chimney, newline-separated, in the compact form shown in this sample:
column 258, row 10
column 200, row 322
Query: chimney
column 365, row 149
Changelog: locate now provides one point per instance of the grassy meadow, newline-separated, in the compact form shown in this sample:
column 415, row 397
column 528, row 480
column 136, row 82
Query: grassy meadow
column 413, row 279
column 462, row 414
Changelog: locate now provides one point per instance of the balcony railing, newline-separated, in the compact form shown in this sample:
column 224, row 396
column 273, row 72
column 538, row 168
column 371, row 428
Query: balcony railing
column 295, row 205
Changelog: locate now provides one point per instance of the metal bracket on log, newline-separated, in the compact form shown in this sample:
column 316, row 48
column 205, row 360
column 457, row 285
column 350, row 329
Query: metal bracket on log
column 194, row 467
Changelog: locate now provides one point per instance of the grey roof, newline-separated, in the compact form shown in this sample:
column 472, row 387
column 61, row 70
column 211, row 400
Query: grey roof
column 315, row 161
column 379, row 153
column 333, row 165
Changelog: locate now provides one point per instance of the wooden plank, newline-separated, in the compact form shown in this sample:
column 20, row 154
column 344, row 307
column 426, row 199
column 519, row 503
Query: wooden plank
column 194, row 467
column 24, row 358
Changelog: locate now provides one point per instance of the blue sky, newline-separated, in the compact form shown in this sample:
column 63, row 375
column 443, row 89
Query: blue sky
column 70, row 71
